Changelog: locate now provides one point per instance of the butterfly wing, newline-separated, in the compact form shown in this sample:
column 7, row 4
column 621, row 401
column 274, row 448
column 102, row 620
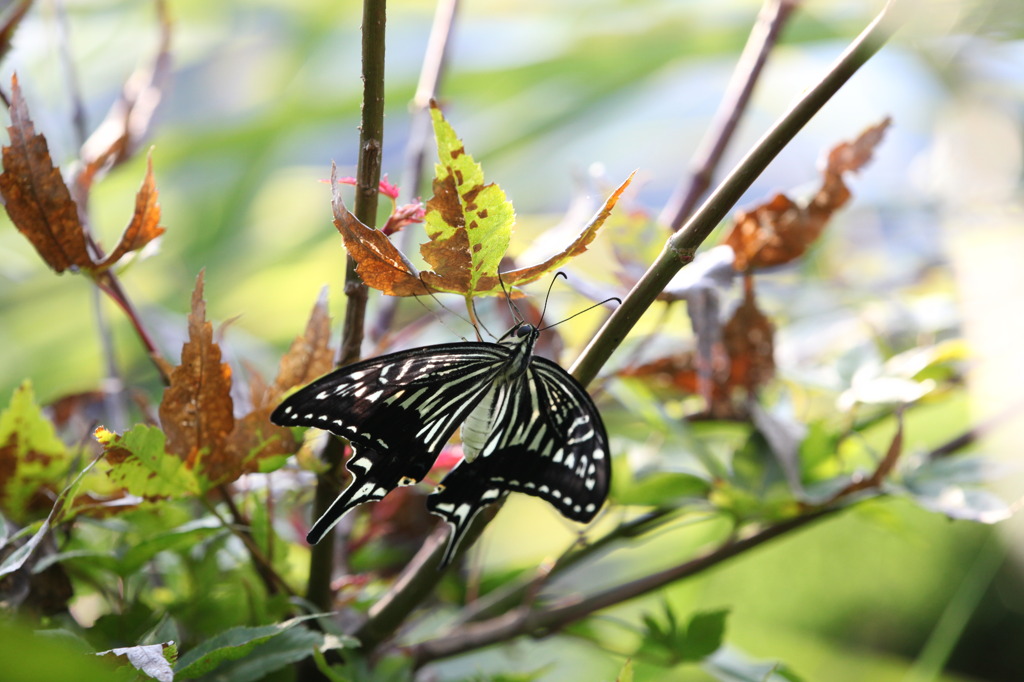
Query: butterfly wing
column 397, row 411
column 550, row 443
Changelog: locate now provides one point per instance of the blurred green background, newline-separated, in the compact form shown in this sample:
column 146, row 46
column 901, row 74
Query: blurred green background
column 265, row 94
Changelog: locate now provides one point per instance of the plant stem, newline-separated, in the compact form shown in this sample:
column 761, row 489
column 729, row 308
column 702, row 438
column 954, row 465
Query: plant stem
column 543, row 621
column 680, row 249
column 416, row 582
column 763, row 37
column 371, row 139
column 420, row 136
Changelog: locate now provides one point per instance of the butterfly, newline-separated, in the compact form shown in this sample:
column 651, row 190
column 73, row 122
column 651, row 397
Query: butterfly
column 527, row 426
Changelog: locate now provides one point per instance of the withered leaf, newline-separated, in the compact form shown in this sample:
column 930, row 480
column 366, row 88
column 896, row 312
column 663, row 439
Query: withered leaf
column 196, row 410
column 379, row 262
column 127, row 123
column 35, row 196
column 781, row 230
column 145, row 224
column 578, row 246
column 749, row 340
column 744, row 358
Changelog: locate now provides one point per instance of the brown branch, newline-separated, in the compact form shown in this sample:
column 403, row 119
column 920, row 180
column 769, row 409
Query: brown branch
column 540, row 622
column 371, row 141
column 763, row 38
column 434, row 62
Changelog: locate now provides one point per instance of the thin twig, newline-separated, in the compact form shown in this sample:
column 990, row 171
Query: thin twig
column 513, row 594
column 431, row 73
column 417, row 581
column 763, row 38
column 71, row 76
column 681, row 248
column 544, row 621
column 371, row 140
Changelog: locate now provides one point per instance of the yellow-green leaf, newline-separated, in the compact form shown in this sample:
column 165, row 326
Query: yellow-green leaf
column 32, row 458
column 469, row 222
column 141, row 464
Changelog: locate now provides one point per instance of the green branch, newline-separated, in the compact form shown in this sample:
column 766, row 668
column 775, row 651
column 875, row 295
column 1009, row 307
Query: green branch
column 681, row 248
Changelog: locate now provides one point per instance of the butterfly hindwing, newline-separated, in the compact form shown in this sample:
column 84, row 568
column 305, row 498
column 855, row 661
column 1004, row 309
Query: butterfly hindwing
column 550, row 442
column 396, row 410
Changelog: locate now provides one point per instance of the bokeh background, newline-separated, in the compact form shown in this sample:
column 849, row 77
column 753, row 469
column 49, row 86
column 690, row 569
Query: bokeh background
column 555, row 100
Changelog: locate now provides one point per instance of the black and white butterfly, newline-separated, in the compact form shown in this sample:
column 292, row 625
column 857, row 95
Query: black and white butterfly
column 527, row 426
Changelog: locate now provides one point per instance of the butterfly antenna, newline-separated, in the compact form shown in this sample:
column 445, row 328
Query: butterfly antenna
column 544, row 309
column 607, row 300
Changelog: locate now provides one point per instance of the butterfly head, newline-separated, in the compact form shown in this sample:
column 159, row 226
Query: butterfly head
column 522, row 332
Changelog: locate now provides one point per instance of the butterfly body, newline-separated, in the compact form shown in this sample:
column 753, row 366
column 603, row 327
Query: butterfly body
column 527, row 426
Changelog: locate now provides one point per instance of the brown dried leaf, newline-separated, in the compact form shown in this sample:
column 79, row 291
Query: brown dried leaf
column 743, row 359
column 450, row 259
column 749, row 340
column 127, row 123
column 578, row 246
column 780, row 230
column 145, row 224
column 196, row 410
column 380, row 264
column 36, row 198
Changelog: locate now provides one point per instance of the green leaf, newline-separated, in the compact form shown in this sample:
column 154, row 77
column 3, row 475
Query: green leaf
column 727, row 665
column 28, row 655
column 176, row 539
column 287, row 648
column 701, row 637
column 16, row 559
column 231, row 645
column 626, row 673
column 704, row 634
column 141, row 464
column 953, row 486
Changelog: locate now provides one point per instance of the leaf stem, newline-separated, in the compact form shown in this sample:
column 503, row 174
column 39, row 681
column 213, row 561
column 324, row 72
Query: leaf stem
column 680, row 249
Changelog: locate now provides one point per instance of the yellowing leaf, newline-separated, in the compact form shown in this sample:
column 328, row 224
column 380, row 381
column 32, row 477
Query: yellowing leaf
column 33, row 460
column 141, row 464
column 578, row 246
column 469, row 223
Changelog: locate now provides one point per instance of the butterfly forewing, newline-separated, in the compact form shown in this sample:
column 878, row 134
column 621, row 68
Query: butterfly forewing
column 397, row 411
